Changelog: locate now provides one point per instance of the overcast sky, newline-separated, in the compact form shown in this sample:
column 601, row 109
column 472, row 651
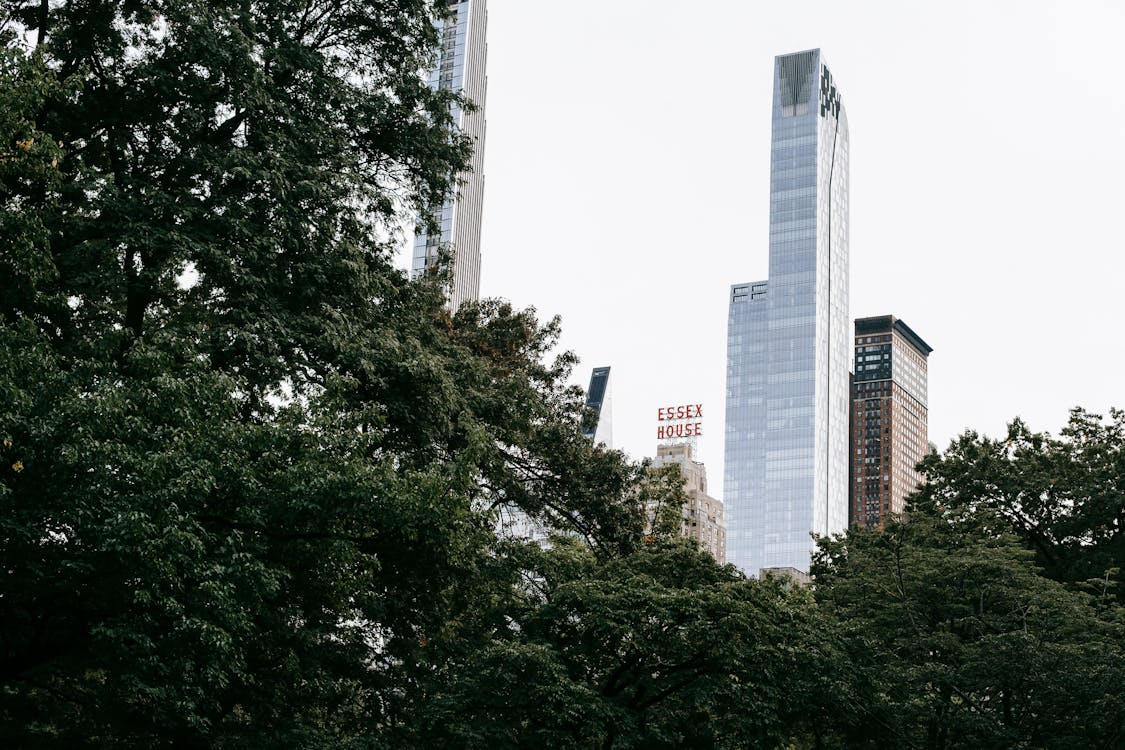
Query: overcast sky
column 627, row 187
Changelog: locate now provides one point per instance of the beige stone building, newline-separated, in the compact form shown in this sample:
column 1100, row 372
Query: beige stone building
column 702, row 514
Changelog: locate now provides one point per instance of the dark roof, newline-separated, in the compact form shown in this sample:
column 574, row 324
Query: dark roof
column 887, row 323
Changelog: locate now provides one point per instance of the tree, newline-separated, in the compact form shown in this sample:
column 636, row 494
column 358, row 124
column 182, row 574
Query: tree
column 989, row 616
column 1063, row 497
column 28, row 168
column 962, row 643
column 659, row 648
column 249, row 467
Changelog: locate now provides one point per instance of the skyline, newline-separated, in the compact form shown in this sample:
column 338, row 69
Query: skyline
column 262, row 489
column 633, row 214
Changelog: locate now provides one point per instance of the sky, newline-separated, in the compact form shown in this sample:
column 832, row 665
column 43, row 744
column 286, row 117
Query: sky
column 627, row 187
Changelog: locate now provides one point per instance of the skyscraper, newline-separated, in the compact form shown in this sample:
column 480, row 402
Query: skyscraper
column 889, row 417
column 599, row 399
column 789, row 338
column 598, row 430
column 460, row 67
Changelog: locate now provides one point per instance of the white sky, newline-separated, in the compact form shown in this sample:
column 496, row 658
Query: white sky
column 627, row 179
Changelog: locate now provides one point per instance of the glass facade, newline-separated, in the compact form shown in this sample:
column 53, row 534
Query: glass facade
column 789, row 343
column 461, row 67
column 599, row 400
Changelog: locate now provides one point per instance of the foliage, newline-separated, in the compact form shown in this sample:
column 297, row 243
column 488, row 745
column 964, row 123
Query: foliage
column 1063, row 497
column 250, row 470
column 659, row 648
column 661, row 494
column 962, row 643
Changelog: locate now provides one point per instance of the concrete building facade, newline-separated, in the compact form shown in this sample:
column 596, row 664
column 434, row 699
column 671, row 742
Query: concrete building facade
column 702, row 514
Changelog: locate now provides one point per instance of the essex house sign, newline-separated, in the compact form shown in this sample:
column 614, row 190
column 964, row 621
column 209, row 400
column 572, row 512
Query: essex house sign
column 680, row 422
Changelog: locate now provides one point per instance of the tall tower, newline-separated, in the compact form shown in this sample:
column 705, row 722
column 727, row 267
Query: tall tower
column 789, row 338
column 460, row 67
column 599, row 399
column 889, row 417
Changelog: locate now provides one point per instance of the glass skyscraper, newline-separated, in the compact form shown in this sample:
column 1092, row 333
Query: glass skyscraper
column 599, row 400
column 789, row 340
column 461, row 67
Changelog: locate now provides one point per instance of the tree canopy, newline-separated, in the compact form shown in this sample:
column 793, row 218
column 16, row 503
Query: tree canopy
column 1064, row 497
column 961, row 642
column 249, row 467
column 661, row 648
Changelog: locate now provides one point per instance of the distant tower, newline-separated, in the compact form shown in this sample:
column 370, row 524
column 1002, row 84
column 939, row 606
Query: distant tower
column 789, row 338
column 461, row 67
column 599, row 399
column 889, row 417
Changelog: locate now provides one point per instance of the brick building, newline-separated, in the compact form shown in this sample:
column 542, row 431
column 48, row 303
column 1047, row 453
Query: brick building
column 888, row 417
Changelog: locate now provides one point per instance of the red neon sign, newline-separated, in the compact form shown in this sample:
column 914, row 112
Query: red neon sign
column 684, row 419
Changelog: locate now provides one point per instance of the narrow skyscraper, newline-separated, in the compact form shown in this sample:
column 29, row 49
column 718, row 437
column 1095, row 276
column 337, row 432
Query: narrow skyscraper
column 599, row 400
column 889, row 417
column 460, row 67
column 789, row 338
